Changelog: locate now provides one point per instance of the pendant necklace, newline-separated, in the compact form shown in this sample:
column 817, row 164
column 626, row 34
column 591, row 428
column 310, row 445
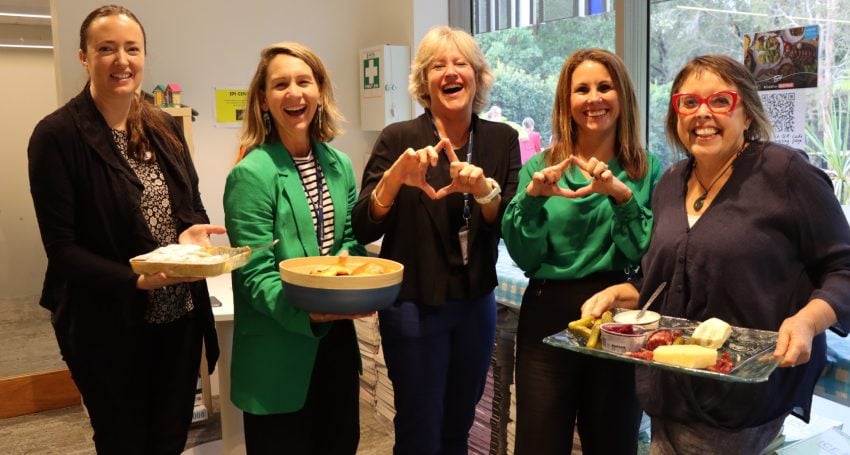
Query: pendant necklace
column 701, row 200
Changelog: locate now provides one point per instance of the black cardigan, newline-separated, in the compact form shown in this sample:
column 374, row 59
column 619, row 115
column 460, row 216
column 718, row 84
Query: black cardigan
column 418, row 231
column 87, row 201
column 773, row 238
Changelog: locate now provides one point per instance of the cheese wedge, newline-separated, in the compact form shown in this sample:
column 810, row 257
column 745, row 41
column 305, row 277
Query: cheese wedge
column 712, row 333
column 685, row 355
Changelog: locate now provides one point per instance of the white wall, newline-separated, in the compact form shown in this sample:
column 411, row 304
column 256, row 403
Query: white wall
column 200, row 46
column 28, row 92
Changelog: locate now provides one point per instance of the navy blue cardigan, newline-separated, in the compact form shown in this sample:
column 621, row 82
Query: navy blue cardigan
column 774, row 238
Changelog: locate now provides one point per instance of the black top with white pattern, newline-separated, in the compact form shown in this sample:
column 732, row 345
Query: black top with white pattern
column 170, row 302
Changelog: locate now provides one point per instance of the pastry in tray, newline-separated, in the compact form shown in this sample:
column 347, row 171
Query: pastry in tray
column 191, row 260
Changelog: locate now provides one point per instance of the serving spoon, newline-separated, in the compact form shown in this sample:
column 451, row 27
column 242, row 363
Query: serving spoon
column 263, row 247
column 651, row 299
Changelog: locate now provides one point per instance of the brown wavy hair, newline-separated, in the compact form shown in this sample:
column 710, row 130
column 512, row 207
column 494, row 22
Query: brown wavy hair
column 627, row 147
column 143, row 117
column 254, row 132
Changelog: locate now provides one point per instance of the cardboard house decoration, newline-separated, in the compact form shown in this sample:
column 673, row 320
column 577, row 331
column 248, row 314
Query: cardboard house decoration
column 172, row 95
column 159, row 96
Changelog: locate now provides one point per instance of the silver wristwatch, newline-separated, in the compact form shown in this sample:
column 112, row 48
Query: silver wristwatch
column 495, row 192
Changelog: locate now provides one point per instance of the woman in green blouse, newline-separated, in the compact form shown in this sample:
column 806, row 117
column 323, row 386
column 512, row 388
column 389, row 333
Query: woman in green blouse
column 579, row 222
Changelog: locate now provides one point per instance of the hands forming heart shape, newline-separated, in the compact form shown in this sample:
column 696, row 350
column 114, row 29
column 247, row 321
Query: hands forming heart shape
column 545, row 182
column 413, row 165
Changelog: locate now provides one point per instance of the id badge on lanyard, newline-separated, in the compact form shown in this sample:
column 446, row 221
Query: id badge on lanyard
column 463, row 233
column 463, row 237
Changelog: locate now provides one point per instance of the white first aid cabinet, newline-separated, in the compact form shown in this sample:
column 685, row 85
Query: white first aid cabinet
column 383, row 86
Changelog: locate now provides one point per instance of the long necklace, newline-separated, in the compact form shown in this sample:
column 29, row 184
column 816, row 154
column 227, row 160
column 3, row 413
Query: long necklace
column 701, row 200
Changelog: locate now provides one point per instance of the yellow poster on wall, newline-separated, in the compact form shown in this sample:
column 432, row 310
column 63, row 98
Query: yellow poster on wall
column 230, row 105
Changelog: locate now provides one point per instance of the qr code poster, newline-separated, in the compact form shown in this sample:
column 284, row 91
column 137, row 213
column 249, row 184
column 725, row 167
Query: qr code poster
column 786, row 110
column 783, row 59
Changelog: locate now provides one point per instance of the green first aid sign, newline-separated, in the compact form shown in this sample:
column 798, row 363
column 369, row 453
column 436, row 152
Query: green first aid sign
column 371, row 73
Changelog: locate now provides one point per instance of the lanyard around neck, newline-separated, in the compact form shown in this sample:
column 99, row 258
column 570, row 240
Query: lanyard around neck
column 469, row 148
column 317, row 204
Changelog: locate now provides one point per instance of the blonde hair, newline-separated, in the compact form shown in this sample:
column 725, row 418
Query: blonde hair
column 435, row 42
column 324, row 126
column 627, row 147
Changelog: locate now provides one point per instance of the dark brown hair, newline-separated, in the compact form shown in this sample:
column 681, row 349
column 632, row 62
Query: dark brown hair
column 142, row 116
column 627, row 147
column 734, row 73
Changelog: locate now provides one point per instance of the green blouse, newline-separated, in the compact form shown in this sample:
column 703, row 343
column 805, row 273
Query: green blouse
column 565, row 238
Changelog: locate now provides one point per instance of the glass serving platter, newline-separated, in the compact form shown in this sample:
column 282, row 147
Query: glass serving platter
column 751, row 349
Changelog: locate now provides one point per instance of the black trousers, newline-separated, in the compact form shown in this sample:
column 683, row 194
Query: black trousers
column 329, row 422
column 557, row 389
column 140, row 395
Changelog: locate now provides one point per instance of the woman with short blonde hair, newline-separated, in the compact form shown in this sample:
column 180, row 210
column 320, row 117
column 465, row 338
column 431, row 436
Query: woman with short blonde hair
column 434, row 43
column 435, row 188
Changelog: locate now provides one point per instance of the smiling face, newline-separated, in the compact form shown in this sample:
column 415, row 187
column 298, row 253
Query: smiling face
column 594, row 104
column 291, row 95
column 114, row 56
column 451, row 83
column 705, row 134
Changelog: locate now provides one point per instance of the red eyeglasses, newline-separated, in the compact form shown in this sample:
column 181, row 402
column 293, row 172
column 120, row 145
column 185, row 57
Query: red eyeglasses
column 721, row 102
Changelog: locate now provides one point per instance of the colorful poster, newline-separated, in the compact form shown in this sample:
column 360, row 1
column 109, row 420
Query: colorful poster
column 783, row 59
column 230, row 105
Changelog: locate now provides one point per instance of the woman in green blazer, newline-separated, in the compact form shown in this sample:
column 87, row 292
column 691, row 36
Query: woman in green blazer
column 294, row 374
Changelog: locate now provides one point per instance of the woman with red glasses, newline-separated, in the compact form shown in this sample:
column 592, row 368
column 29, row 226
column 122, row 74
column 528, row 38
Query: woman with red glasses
column 748, row 231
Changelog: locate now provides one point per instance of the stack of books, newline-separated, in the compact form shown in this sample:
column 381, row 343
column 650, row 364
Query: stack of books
column 375, row 386
column 480, row 434
column 369, row 339
column 511, row 436
column 384, row 392
column 200, row 413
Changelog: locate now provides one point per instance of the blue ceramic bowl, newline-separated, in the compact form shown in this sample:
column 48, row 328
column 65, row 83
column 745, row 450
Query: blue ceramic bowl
column 345, row 294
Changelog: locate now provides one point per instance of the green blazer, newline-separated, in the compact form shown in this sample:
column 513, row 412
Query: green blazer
column 274, row 343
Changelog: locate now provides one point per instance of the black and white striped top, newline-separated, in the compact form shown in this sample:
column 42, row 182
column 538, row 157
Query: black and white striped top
column 310, row 171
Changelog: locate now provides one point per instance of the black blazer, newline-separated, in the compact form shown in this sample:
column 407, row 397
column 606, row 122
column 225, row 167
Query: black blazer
column 87, row 201
column 418, row 232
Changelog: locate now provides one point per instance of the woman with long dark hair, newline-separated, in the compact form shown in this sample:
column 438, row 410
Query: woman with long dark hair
column 111, row 178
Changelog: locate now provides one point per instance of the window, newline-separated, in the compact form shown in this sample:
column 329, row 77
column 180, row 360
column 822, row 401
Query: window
column 683, row 29
column 527, row 59
column 492, row 15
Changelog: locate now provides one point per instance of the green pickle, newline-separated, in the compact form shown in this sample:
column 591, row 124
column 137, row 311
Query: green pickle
column 584, row 322
column 581, row 331
column 593, row 339
column 588, row 328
